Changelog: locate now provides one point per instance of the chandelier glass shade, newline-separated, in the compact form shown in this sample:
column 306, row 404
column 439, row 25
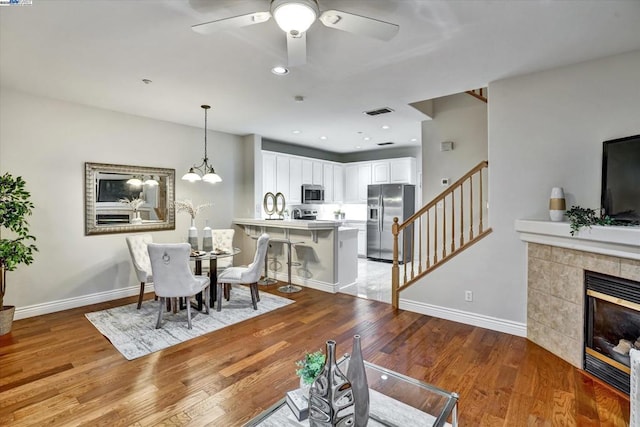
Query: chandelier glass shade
column 204, row 171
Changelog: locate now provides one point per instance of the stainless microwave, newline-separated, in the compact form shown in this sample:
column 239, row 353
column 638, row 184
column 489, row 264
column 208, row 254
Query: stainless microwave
column 312, row 193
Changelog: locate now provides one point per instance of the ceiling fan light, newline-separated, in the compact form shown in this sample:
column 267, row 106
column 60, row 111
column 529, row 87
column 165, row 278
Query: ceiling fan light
column 295, row 17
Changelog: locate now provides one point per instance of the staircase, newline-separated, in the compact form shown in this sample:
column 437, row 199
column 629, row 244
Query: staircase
column 450, row 223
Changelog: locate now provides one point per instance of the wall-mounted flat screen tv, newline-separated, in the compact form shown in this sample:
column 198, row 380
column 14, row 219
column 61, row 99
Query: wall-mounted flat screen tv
column 621, row 179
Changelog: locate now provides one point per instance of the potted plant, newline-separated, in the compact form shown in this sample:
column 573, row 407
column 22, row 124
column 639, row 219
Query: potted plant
column 309, row 368
column 15, row 207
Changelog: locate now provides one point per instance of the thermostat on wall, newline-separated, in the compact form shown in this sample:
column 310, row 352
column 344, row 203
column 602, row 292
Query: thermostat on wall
column 444, row 181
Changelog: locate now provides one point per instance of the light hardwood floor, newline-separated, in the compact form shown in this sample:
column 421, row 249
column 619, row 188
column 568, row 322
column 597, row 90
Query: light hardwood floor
column 59, row 370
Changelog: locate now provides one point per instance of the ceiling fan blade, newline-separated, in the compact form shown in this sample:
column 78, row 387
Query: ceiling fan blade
column 297, row 50
column 230, row 23
column 360, row 25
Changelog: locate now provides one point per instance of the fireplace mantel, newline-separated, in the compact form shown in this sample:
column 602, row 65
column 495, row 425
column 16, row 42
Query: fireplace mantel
column 618, row 241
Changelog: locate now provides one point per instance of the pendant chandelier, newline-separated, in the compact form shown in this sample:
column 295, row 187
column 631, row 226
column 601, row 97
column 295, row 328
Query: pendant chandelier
column 205, row 171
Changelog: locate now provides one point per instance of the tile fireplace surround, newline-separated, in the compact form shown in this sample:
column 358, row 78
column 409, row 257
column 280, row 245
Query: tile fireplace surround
column 555, row 290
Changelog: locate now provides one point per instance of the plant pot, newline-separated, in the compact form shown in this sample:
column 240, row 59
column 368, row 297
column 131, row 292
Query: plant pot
column 6, row 318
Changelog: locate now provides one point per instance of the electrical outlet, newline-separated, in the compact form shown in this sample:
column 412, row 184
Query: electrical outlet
column 468, row 296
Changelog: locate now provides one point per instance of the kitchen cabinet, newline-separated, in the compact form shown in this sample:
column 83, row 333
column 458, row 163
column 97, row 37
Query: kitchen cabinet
column 295, row 180
column 282, row 175
column 380, row 172
column 357, row 177
column 338, row 183
column 268, row 172
column 362, row 236
column 402, row 170
column 317, row 172
column 307, row 171
column 364, row 179
column 327, row 182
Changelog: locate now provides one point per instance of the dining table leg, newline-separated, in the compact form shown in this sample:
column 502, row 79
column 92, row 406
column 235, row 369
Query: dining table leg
column 213, row 280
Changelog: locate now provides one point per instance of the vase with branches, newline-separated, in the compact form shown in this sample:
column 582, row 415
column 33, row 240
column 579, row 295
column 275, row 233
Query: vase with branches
column 134, row 204
column 188, row 207
column 15, row 207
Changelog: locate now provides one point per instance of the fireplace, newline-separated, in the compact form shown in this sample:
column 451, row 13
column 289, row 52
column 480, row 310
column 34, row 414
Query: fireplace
column 612, row 327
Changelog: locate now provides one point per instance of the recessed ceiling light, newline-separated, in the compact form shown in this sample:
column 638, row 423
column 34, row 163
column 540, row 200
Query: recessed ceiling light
column 295, row 131
column 414, row 139
column 385, row 126
column 357, row 146
column 279, row 71
column 323, row 137
column 366, row 138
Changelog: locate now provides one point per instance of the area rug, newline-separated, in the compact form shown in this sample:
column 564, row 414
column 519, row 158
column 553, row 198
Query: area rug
column 132, row 332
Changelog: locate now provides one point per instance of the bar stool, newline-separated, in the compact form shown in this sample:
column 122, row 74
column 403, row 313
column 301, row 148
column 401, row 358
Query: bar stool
column 289, row 288
column 266, row 280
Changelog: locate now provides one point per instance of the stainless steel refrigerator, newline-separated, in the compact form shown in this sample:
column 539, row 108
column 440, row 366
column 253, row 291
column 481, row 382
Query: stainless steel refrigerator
column 385, row 201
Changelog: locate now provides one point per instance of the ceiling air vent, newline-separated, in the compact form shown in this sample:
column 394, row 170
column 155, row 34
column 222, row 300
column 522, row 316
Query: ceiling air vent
column 379, row 111
column 385, row 143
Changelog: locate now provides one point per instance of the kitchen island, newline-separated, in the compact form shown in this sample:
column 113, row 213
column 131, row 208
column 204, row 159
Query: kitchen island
column 324, row 254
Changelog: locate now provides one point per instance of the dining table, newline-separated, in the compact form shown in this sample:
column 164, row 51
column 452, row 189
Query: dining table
column 212, row 257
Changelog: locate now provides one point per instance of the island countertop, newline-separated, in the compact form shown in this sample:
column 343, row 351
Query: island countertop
column 298, row 224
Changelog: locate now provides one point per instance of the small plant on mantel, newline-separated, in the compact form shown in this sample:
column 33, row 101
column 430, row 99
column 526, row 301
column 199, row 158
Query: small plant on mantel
column 15, row 207
column 585, row 217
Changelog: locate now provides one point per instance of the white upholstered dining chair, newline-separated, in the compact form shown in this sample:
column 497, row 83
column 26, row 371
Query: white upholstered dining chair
column 223, row 239
column 140, row 258
column 172, row 275
column 248, row 275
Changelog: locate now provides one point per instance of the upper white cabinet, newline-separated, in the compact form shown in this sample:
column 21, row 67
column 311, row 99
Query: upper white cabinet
column 402, row 170
column 342, row 183
column 295, row 180
column 318, row 175
column 327, row 182
column 364, row 179
column 268, row 172
column 380, row 172
column 307, row 171
column 338, row 183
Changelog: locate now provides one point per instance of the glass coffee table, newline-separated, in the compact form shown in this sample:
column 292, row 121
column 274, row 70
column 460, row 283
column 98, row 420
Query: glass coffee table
column 394, row 400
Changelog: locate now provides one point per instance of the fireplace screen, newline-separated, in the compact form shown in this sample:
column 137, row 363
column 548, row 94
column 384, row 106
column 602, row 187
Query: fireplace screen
column 612, row 327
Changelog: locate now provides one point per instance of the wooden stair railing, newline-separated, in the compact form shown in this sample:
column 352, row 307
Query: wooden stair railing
column 481, row 94
column 443, row 228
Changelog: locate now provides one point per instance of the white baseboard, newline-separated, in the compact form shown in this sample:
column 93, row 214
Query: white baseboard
column 479, row 320
column 309, row 283
column 65, row 304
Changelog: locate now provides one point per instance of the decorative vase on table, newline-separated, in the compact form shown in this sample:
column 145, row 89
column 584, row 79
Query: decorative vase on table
column 193, row 235
column 331, row 396
column 357, row 375
column 557, row 204
column 136, row 218
column 207, row 238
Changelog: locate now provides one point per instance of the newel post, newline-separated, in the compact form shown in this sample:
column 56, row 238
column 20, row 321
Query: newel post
column 395, row 270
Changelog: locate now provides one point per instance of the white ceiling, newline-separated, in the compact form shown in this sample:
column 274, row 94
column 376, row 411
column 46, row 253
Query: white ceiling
column 97, row 52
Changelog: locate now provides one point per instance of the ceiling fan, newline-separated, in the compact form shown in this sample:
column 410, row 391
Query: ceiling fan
column 295, row 17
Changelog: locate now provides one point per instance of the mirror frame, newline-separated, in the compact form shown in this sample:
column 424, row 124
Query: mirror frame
column 91, row 171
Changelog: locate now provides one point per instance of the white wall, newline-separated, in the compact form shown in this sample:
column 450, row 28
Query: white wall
column 545, row 129
column 47, row 142
column 462, row 119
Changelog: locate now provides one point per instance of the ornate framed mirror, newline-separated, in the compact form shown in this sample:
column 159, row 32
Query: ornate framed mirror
column 124, row 199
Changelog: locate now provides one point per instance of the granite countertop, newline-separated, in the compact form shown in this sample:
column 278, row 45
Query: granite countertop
column 295, row 223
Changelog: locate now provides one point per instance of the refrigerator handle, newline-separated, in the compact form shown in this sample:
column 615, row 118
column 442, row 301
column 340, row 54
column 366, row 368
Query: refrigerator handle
column 381, row 217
